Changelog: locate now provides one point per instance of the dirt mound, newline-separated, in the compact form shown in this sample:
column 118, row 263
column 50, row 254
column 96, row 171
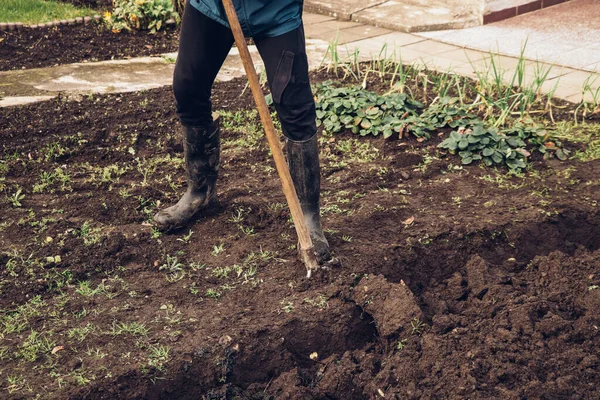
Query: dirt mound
column 392, row 305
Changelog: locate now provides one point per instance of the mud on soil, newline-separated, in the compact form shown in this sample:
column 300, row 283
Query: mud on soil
column 457, row 282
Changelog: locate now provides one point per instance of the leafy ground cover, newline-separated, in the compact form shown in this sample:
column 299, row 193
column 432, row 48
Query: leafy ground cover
column 457, row 280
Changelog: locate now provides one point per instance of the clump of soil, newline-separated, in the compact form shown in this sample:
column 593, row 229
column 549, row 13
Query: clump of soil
column 455, row 281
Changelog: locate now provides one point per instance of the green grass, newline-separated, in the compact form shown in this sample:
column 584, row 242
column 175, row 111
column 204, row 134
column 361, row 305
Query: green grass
column 37, row 11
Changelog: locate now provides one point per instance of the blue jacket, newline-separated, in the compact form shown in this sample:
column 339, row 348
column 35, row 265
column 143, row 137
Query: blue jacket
column 258, row 18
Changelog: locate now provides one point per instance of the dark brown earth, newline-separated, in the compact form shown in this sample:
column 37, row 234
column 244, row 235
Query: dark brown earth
column 490, row 292
column 96, row 4
column 456, row 282
column 44, row 47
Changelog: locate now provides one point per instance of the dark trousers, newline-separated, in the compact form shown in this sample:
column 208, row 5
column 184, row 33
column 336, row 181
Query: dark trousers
column 203, row 47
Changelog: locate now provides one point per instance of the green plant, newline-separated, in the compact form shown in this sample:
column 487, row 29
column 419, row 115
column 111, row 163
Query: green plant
column 158, row 356
column 35, row 345
column 186, row 238
column 149, row 15
column 81, row 333
column 590, row 97
column 416, row 326
column 401, row 344
column 540, row 139
column 212, row 293
column 173, row 268
column 445, row 112
column 132, row 328
column 362, row 111
column 88, row 234
column 16, row 198
column 288, row 306
column 218, row 249
column 49, row 179
column 487, row 145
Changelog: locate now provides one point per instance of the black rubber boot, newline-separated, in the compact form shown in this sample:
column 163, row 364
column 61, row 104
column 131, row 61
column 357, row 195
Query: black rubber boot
column 201, row 150
column 303, row 160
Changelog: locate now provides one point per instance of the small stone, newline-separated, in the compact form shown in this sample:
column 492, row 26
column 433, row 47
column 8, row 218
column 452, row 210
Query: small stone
column 97, row 18
column 63, row 22
column 11, row 26
column 225, row 340
column 71, row 21
column 3, row 26
column 79, row 20
column 56, row 22
column 49, row 24
column 19, row 25
column 86, row 20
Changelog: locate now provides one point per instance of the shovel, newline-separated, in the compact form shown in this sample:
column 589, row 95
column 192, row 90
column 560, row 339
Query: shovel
column 307, row 253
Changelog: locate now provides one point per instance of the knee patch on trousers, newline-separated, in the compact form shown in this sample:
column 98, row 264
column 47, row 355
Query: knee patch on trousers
column 291, row 85
column 293, row 98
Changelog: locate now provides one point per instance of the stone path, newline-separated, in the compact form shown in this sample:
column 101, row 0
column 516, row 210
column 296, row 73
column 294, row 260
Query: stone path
column 405, row 15
column 570, row 52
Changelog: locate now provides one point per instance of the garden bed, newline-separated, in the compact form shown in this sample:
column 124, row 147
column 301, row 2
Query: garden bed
column 45, row 47
column 456, row 281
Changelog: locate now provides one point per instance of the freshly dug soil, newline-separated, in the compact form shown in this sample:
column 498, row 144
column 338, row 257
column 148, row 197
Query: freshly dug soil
column 455, row 282
column 44, row 47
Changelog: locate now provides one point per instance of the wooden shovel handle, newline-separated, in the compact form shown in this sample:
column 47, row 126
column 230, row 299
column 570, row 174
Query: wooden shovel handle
column 306, row 247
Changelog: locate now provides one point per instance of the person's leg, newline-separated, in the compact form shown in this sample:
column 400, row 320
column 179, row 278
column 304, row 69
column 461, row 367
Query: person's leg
column 287, row 72
column 203, row 46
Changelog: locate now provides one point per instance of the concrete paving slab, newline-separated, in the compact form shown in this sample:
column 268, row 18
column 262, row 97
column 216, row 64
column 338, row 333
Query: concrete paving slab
column 431, row 47
column 594, row 68
column 578, row 58
column 334, row 25
column 26, row 86
column 569, row 93
column 340, row 37
column 555, row 34
column 464, row 55
column 437, row 63
column 421, row 15
column 578, row 78
column 110, row 77
column 353, row 34
column 341, row 9
column 21, row 100
column 368, row 31
column 310, row 18
column 398, row 39
column 369, row 49
column 579, row 97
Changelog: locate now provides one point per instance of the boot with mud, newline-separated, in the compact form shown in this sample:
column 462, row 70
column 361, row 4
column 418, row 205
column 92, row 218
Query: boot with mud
column 303, row 161
column 201, row 150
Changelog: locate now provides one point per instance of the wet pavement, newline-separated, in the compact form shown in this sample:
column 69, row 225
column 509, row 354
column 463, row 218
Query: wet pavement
column 567, row 34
